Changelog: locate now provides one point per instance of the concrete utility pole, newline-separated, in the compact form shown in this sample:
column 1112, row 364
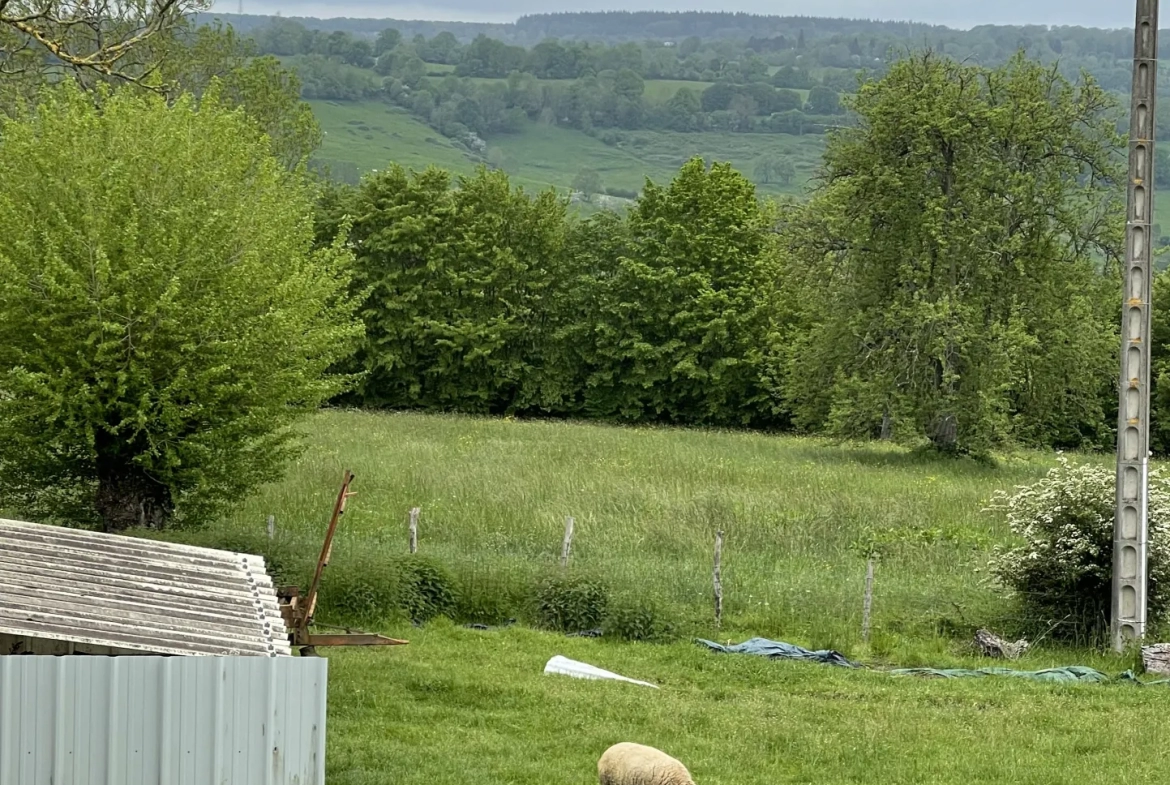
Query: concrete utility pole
column 1133, row 422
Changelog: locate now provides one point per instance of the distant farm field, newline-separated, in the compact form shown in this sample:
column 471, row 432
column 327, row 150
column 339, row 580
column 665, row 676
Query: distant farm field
column 364, row 135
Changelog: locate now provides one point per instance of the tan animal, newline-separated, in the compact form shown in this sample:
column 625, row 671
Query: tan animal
column 636, row 764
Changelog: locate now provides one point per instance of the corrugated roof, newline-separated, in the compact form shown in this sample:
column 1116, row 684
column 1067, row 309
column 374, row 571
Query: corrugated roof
column 132, row 595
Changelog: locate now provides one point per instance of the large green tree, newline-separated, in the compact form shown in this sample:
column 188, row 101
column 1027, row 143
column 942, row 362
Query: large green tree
column 455, row 278
column 163, row 317
column 951, row 263
column 674, row 316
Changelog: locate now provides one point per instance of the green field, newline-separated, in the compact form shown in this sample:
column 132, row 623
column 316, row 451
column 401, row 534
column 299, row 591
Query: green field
column 494, row 495
column 461, row 706
column 364, row 135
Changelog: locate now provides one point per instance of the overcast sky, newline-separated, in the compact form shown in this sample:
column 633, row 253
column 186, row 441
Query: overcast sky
column 961, row 13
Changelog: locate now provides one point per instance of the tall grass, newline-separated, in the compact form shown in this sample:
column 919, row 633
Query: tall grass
column 647, row 502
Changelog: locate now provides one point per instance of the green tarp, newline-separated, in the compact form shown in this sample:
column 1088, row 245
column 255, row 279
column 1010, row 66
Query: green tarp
column 1072, row 674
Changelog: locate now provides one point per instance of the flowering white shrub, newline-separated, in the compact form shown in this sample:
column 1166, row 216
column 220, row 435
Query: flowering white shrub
column 1061, row 574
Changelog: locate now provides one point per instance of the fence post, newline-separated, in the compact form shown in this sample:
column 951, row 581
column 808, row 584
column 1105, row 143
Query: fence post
column 567, row 544
column 414, row 529
column 867, row 603
column 271, row 526
column 718, row 575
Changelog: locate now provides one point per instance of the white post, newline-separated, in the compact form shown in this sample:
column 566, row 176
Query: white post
column 867, row 602
column 718, row 576
column 567, row 543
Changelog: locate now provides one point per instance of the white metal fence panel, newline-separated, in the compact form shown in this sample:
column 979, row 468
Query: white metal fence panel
column 148, row 720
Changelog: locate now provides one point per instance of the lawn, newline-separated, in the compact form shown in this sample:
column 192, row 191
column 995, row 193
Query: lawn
column 460, row 707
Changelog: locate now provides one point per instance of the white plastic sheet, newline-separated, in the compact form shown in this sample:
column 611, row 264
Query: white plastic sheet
column 581, row 670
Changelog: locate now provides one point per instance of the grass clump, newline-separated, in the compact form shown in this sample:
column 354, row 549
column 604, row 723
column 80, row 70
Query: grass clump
column 639, row 620
column 570, row 603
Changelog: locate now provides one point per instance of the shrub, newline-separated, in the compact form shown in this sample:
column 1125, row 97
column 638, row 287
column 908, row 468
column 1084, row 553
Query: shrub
column 638, row 621
column 1062, row 572
column 361, row 591
column 427, row 589
column 374, row 590
column 571, row 603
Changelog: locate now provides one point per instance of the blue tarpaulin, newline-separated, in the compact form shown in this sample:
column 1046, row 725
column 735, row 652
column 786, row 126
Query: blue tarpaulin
column 778, row 650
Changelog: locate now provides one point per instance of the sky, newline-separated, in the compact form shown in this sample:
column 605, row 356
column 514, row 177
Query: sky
column 964, row 14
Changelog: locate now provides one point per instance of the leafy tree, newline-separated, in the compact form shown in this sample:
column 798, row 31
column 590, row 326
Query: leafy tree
column 587, row 182
column 684, row 111
column 387, row 41
column 775, row 169
column 679, row 320
column 163, row 319
column 823, row 101
column 455, row 279
column 270, row 96
column 954, row 255
column 718, row 97
column 793, row 78
column 628, row 84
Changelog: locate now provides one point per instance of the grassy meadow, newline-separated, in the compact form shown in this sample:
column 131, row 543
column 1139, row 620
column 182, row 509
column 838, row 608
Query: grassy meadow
column 494, row 496
column 365, row 135
column 460, row 706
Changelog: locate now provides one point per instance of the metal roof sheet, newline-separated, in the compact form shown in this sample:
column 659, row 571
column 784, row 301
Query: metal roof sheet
column 130, row 595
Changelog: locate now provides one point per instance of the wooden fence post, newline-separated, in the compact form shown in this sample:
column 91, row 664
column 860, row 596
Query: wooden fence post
column 718, row 579
column 567, row 544
column 414, row 512
column 867, row 603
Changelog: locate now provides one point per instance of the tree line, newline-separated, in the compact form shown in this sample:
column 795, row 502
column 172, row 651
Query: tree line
column 953, row 279
column 696, row 46
column 615, row 101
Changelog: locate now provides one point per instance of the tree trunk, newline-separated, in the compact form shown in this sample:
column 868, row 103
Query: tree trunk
column 127, row 497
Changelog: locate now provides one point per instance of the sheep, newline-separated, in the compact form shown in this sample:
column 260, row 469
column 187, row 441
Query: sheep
column 636, row 764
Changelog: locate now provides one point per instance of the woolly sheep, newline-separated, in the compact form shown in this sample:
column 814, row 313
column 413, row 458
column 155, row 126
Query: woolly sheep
column 636, row 764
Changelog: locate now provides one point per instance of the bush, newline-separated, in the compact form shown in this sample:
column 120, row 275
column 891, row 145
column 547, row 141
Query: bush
column 638, row 621
column 1061, row 574
column 364, row 591
column 571, row 603
column 427, row 589
column 622, row 193
column 375, row 590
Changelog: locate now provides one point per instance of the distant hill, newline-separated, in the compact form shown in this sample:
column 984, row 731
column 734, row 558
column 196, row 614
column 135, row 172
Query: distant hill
column 616, row 26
